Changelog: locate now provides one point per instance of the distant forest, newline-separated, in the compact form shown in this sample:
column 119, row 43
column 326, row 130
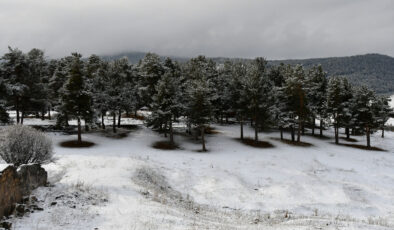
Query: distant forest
column 373, row 70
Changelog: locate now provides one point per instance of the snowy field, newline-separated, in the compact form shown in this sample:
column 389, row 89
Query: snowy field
column 127, row 184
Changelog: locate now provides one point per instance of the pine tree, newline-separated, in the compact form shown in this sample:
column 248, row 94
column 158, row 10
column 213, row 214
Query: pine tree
column 256, row 91
column 15, row 69
column 364, row 102
column 199, row 107
column 165, row 105
column 316, row 89
column 297, row 100
column 76, row 101
column 150, row 70
column 237, row 103
column 38, row 80
column 338, row 101
column 382, row 111
column 280, row 107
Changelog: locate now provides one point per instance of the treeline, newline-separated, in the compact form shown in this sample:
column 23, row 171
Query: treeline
column 199, row 91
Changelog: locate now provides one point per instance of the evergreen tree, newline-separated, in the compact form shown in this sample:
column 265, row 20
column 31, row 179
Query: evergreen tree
column 280, row 109
column 199, row 107
column 337, row 102
column 150, row 70
column 297, row 100
column 364, row 102
column 37, row 92
column 76, row 101
column 237, row 103
column 382, row 111
column 15, row 69
column 165, row 106
column 256, row 91
column 316, row 90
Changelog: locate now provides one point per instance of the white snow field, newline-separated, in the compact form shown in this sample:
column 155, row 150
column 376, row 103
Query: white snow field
column 127, row 184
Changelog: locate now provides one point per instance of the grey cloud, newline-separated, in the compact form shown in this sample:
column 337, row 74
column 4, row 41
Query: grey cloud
column 234, row 28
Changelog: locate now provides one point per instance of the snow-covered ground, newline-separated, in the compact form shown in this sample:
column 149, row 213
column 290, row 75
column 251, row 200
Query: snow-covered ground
column 127, row 184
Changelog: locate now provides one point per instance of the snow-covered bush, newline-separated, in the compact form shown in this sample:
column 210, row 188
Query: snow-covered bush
column 24, row 145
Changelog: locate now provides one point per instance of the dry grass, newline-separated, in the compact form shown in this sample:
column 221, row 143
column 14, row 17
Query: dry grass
column 256, row 144
column 76, row 144
column 293, row 143
column 164, row 145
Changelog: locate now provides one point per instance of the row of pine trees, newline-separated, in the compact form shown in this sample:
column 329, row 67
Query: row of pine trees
column 200, row 91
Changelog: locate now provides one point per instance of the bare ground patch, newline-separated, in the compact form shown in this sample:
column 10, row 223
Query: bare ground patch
column 77, row 144
column 293, row 143
column 256, row 144
column 363, row 147
column 165, row 145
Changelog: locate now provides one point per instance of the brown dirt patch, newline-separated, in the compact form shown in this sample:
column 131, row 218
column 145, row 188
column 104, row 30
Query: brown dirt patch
column 256, row 144
column 76, row 144
column 294, row 143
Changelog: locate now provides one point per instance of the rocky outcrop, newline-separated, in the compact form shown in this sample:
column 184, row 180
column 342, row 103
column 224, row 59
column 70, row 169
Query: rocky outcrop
column 16, row 184
column 32, row 177
column 10, row 190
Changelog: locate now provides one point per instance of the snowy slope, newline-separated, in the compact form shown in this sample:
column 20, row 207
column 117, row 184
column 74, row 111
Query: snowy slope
column 126, row 184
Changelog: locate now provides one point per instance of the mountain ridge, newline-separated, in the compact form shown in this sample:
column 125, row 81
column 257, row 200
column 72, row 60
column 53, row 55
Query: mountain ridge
column 372, row 69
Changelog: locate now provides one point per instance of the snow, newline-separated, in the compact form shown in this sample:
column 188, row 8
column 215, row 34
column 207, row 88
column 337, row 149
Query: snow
column 232, row 186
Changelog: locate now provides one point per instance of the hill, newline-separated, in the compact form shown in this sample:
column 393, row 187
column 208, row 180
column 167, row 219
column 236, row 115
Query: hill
column 373, row 70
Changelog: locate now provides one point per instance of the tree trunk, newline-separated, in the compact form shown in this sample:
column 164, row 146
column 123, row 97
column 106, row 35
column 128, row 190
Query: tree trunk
column 102, row 120
column 299, row 131
column 203, row 139
column 281, row 132
column 22, row 116
column 171, row 133
column 347, row 131
column 256, row 131
column 43, row 115
column 165, row 129
column 66, row 120
column 321, row 127
column 79, row 130
column 313, row 125
column 17, row 112
column 292, row 133
column 226, row 118
column 114, row 122
column 336, row 129
column 368, row 137
column 303, row 128
column 242, row 128
column 119, row 117
column 49, row 113
column 382, row 132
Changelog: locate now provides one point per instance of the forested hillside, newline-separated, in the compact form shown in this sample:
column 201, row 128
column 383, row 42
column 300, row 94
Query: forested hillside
column 373, row 70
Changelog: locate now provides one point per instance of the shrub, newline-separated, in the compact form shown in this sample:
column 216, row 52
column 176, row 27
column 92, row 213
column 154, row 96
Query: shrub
column 24, row 145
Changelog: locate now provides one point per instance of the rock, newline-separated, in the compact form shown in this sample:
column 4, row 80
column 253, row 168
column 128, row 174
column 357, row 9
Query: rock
column 33, row 199
column 14, row 184
column 20, row 209
column 32, row 177
column 6, row 225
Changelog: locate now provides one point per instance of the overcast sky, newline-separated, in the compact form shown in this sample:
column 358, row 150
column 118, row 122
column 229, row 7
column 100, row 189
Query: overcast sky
column 275, row 29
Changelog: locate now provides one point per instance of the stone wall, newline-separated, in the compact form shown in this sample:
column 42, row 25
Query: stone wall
column 16, row 184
